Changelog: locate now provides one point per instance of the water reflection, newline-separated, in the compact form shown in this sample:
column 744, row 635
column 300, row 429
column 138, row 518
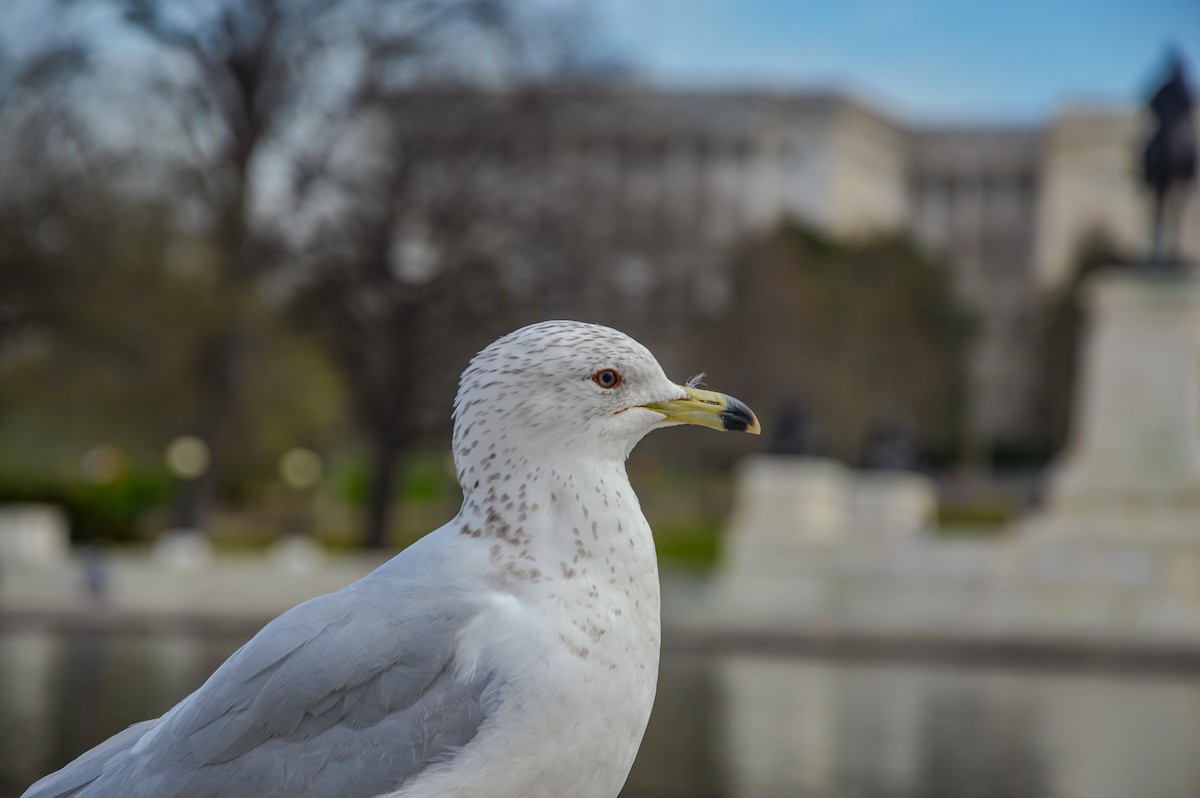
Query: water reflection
column 735, row 726
column 63, row 694
column 27, row 662
column 820, row 728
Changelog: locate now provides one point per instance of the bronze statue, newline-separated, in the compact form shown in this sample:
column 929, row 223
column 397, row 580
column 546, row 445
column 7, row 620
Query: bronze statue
column 1169, row 162
column 891, row 445
column 797, row 434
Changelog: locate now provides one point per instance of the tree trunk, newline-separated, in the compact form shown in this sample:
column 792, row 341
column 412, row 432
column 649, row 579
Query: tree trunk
column 193, row 501
column 219, row 380
column 385, row 468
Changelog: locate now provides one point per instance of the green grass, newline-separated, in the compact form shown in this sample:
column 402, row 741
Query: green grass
column 974, row 519
column 690, row 544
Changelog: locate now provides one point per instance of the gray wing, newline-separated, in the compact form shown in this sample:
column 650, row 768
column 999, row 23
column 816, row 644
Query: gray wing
column 348, row 694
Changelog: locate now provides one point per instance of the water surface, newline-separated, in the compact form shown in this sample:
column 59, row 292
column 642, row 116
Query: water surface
column 724, row 726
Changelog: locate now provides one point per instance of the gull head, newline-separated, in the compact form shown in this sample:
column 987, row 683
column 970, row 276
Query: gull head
column 571, row 389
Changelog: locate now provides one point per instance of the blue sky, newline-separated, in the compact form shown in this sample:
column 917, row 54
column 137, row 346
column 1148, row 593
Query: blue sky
column 935, row 60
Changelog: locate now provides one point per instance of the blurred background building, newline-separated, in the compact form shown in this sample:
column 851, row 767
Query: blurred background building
column 1009, row 209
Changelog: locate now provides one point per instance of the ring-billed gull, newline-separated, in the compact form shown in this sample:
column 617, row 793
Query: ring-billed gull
column 512, row 652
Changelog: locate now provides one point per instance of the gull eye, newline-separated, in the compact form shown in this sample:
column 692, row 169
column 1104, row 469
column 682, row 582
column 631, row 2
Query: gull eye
column 607, row 378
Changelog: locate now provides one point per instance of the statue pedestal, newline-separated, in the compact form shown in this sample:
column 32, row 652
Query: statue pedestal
column 785, row 500
column 889, row 505
column 788, row 524
column 184, row 549
column 1132, row 467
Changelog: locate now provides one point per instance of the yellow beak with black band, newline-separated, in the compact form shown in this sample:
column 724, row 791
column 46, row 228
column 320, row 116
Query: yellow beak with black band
column 708, row 409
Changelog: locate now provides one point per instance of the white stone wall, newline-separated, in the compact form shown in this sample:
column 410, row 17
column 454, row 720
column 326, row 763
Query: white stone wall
column 869, row 173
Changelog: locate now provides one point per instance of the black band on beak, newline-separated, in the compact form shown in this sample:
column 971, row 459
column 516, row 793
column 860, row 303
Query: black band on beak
column 737, row 417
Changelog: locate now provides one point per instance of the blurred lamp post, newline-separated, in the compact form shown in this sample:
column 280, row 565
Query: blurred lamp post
column 102, row 466
column 300, row 470
column 187, row 458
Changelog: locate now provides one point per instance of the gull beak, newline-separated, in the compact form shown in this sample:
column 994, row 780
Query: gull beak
column 707, row 409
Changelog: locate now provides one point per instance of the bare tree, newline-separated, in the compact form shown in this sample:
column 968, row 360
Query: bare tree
column 239, row 61
column 255, row 73
column 414, row 270
column 365, row 161
column 429, row 221
column 37, row 133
